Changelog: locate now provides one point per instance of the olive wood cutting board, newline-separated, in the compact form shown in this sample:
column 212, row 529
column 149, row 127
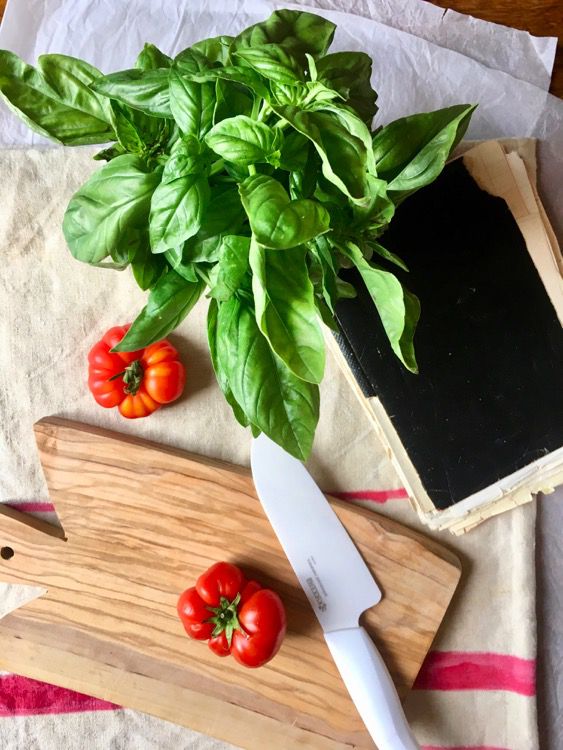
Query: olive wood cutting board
column 141, row 522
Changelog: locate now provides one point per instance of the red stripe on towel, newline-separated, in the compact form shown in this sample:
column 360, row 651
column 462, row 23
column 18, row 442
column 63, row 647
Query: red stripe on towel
column 459, row 670
column 376, row 496
column 32, row 507
column 22, row 696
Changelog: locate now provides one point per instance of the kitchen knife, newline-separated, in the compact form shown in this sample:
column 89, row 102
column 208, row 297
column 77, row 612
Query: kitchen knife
column 337, row 583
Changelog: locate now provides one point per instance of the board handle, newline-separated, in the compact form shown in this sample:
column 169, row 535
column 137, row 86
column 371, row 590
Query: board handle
column 29, row 548
column 371, row 688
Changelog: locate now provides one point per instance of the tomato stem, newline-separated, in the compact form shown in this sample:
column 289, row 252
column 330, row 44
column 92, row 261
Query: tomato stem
column 132, row 377
column 225, row 618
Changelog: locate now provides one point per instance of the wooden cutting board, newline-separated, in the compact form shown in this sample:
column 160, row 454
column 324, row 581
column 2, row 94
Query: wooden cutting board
column 141, row 522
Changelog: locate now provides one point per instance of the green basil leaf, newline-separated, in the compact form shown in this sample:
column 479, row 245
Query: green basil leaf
column 280, row 404
column 376, row 210
column 294, row 152
column 398, row 309
column 244, row 76
column 343, row 156
column 349, row 73
column 245, row 141
column 146, row 90
column 224, row 213
column 127, row 132
column 297, row 31
column 206, row 250
column 215, row 49
column 221, row 375
column 321, row 252
column 277, row 221
column 55, row 100
column 113, row 202
column 107, row 154
column 411, row 152
column 231, row 99
column 151, row 58
column 350, row 121
column 273, row 62
column 170, row 301
column 178, row 203
column 146, row 267
column 232, row 266
column 285, row 309
column 183, row 267
column 192, row 104
column 387, row 254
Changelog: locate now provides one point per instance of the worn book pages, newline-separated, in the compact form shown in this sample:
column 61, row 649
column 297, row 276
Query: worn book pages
column 505, row 169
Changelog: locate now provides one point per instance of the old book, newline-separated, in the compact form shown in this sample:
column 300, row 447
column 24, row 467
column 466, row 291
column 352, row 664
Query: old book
column 480, row 429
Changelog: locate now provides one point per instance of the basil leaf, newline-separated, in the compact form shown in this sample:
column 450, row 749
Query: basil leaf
column 127, row 132
column 151, row 58
column 411, row 152
column 245, row 141
column 387, row 254
column 178, row 203
column 398, row 309
column 294, row 152
column 232, row 266
column 55, row 100
column 350, row 121
column 376, row 210
column 297, row 31
column 146, row 90
column 349, row 73
column 273, row 62
column 280, row 404
column 231, row 99
column 107, row 154
column 343, row 156
column 146, row 267
column 277, row 221
column 215, row 49
column 245, row 76
column 203, row 250
column 170, row 301
column 183, row 267
column 285, row 309
column 224, row 213
column 192, row 104
column 104, row 211
column 323, row 256
column 221, row 375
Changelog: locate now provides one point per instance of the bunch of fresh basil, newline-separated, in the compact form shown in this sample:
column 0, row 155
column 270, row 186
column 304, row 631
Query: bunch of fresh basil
column 245, row 166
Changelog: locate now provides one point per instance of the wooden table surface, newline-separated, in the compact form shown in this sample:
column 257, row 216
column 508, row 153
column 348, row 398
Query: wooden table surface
column 539, row 17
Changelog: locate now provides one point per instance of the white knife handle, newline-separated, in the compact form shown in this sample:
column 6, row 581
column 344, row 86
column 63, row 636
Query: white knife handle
column 371, row 688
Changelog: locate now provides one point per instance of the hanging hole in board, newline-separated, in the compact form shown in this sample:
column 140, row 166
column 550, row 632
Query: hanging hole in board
column 6, row 553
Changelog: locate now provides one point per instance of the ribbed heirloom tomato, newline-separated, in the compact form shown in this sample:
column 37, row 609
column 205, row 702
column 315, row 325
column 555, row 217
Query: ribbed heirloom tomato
column 139, row 382
column 235, row 616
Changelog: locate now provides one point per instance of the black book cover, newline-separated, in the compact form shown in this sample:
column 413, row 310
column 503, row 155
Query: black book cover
column 489, row 397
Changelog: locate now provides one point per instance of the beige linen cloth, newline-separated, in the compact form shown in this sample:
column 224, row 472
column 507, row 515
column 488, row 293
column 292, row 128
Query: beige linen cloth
column 53, row 309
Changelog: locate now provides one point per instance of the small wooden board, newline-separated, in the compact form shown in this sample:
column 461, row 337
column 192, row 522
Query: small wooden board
column 141, row 522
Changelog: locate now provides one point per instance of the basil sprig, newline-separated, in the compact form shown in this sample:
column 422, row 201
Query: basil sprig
column 246, row 166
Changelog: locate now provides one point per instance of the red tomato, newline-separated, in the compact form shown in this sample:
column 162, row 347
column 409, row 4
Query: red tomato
column 139, row 382
column 234, row 615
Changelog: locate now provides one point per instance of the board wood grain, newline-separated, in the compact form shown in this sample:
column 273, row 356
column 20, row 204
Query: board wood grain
column 141, row 522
